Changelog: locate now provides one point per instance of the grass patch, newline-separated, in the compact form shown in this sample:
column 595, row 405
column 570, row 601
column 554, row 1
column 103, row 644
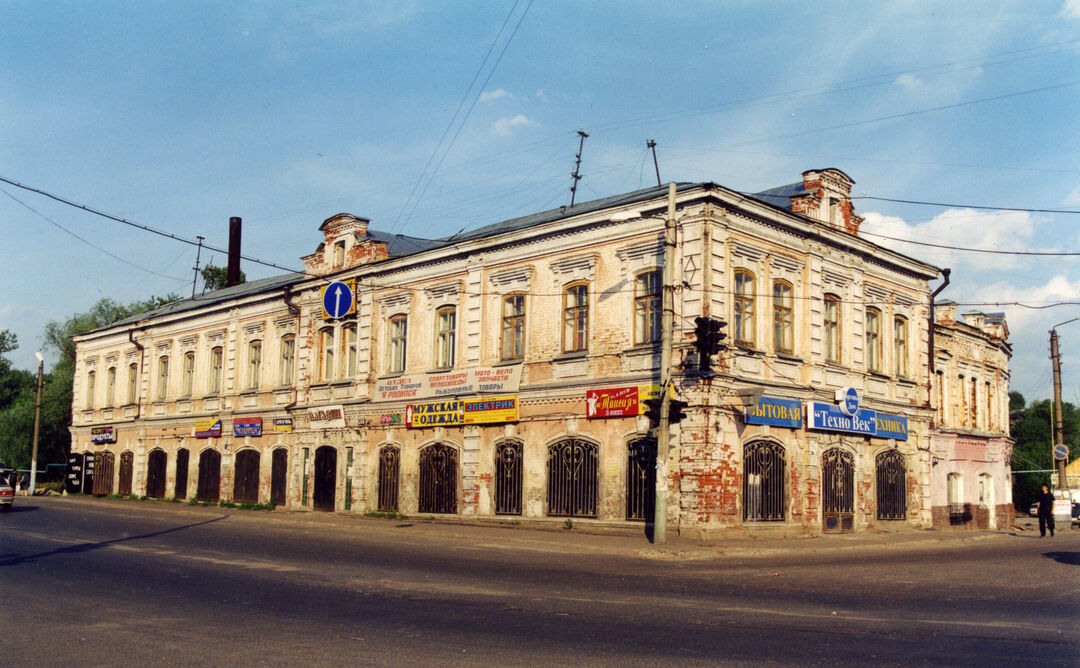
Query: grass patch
column 387, row 515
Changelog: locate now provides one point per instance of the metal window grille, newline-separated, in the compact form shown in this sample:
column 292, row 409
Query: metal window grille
column 438, row 479
column 838, row 489
column 389, row 459
column 763, row 481
column 640, row 479
column 891, row 486
column 508, row 478
column 572, row 478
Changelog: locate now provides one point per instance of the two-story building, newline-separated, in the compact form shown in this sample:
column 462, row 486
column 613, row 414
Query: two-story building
column 502, row 373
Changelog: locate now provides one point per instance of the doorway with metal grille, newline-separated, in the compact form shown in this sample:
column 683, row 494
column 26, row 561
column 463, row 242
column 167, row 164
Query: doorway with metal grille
column 209, row 487
column 838, row 491
column 438, row 479
column 279, row 464
column 640, row 479
column 764, row 475
column 181, row 473
column 572, row 478
column 324, row 495
column 389, row 474
column 155, row 473
column 508, row 478
column 103, row 473
column 891, row 485
column 246, row 477
column 127, row 472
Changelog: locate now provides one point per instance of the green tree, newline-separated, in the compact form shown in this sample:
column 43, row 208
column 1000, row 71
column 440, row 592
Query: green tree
column 1033, row 434
column 12, row 381
column 215, row 278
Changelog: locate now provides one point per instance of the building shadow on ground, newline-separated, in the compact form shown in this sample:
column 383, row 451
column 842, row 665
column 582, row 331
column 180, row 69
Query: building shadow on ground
column 1071, row 558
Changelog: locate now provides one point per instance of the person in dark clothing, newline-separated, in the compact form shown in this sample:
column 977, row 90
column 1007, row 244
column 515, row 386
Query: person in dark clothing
column 1045, row 512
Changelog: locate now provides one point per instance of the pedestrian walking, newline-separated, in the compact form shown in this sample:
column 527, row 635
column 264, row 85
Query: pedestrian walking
column 1045, row 512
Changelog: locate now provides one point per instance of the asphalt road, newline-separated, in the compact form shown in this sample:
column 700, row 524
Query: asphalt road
column 93, row 582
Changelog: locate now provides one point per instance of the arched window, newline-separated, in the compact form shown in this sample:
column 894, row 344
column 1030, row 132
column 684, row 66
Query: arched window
column 398, row 341
column 438, row 479
column 832, row 329
column 217, row 358
column 572, row 478
column 873, row 340
column 288, row 360
column 163, row 377
column 91, row 382
column 339, row 253
column 891, row 485
column 508, row 477
column 764, row 497
column 348, row 343
column 838, row 490
column 513, row 328
column 744, row 307
column 647, row 298
column 445, row 337
column 900, row 348
column 326, row 354
column 189, row 374
column 783, row 318
column 576, row 318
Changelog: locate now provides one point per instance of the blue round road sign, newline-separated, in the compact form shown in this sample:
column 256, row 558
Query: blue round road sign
column 337, row 300
column 849, row 401
column 1061, row 451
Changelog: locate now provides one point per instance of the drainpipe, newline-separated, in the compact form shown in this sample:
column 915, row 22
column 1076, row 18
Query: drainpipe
column 945, row 275
column 293, row 308
column 138, row 394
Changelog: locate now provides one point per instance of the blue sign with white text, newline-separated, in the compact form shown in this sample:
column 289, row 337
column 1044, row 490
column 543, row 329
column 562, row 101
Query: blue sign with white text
column 776, row 412
column 829, row 417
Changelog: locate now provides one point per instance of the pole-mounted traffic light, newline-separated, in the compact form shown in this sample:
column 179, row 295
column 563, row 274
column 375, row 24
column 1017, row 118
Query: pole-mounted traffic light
column 676, row 410
column 708, row 339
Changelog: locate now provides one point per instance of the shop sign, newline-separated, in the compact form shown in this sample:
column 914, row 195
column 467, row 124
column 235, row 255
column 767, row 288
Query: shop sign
column 386, row 419
column 613, row 402
column 891, row 426
column 208, row 428
column 103, row 434
column 326, row 417
column 247, row 426
column 451, row 384
column 827, row 417
column 435, row 414
column 282, row 424
column 491, row 409
column 776, row 412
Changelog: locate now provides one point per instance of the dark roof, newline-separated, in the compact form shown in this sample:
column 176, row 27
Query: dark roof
column 780, row 196
column 399, row 245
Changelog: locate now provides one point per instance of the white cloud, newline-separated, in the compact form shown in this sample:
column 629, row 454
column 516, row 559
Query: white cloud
column 964, row 228
column 541, row 95
column 495, row 95
column 1073, row 198
column 908, row 81
column 504, row 127
column 1070, row 9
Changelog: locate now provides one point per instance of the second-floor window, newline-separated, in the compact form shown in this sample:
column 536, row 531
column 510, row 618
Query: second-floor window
column 783, row 325
column 576, row 318
column 832, row 329
column 647, row 299
column 744, row 307
column 254, row 365
column 163, row 377
column 217, row 358
column 348, row 344
column 288, row 360
column 189, row 374
column 398, row 340
column 513, row 328
column 110, row 386
column 133, row 382
column 445, row 337
column 91, row 380
column 873, row 340
column 326, row 354
column 900, row 353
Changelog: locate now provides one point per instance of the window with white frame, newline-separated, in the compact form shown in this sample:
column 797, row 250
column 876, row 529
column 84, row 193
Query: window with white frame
column 647, row 303
column 900, row 350
column 832, row 329
column 445, row 337
column 287, row 360
column 110, row 386
column 744, row 307
column 133, row 382
column 163, row 377
column 217, row 359
column 513, row 328
column 576, row 318
column 326, row 354
column 783, row 318
column 398, row 343
column 349, row 350
column 188, row 381
column 873, row 340
column 91, row 381
column 254, row 358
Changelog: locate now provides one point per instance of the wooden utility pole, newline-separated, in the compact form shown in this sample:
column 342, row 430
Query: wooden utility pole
column 667, row 321
column 1059, row 428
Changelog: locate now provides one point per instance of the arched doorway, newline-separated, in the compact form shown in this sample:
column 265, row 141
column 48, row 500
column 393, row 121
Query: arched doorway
column 508, row 478
column 246, row 476
column 891, row 478
column 764, row 473
column 155, row 474
column 572, row 478
column 181, row 473
column 279, row 464
column 127, row 471
column 389, row 474
column 838, row 491
column 325, row 478
column 209, row 489
column 641, row 479
column 103, row 473
column 438, row 479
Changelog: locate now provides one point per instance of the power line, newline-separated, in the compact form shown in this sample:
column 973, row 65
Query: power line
column 973, row 250
column 966, row 206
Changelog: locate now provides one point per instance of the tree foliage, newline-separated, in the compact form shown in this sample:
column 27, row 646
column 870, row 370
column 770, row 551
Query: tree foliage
column 1033, row 432
column 215, row 278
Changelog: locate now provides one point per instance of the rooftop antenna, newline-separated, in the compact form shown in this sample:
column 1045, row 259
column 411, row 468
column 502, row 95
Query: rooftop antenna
column 651, row 143
column 198, row 254
column 577, row 166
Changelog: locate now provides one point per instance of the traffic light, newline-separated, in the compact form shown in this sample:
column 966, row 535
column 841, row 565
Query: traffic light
column 708, row 339
column 676, row 410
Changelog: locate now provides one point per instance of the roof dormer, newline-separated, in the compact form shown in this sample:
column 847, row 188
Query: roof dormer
column 345, row 244
column 827, row 199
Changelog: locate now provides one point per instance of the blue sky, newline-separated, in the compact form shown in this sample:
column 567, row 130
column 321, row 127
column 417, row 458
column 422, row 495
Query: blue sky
column 180, row 115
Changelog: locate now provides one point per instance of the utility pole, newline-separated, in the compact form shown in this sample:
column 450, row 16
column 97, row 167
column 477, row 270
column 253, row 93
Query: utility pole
column 667, row 320
column 1059, row 428
column 198, row 254
column 577, row 166
column 37, row 424
column 651, row 143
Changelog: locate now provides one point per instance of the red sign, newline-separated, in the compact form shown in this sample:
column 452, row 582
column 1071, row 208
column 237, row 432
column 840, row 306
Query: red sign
column 612, row 402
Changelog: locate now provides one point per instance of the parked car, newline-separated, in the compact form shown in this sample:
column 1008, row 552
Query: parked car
column 1034, row 509
column 7, row 489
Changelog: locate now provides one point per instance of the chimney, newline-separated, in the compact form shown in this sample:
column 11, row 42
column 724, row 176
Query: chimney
column 233, row 276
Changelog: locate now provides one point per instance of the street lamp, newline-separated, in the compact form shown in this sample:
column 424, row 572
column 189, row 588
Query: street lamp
column 1059, row 430
column 37, row 424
